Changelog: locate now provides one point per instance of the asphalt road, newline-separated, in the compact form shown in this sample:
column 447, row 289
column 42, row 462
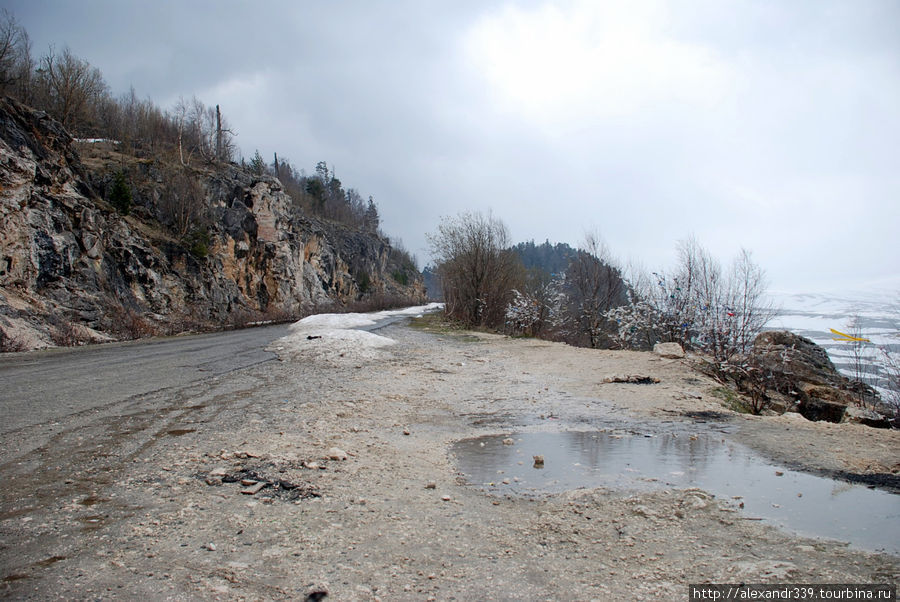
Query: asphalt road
column 40, row 388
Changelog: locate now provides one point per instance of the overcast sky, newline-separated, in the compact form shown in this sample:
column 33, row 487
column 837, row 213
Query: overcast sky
column 768, row 125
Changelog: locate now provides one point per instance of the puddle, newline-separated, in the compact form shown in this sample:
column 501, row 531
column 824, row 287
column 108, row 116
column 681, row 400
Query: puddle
column 802, row 503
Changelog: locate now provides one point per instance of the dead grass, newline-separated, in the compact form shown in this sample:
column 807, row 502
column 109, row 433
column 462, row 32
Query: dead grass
column 65, row 333
column 127, row 324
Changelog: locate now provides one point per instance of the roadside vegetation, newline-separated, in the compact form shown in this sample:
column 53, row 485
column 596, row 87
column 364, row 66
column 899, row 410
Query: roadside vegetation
column 584, row 297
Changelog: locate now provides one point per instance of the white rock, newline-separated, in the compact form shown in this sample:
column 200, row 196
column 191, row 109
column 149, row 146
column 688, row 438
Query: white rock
column 695, row 502
column 336, row 453
column 669, row 350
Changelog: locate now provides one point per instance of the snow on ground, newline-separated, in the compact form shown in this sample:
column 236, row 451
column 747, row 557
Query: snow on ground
column 96, row 140
column 344, row 335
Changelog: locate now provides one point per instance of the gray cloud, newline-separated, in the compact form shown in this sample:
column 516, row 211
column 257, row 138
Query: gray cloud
column 767, row 125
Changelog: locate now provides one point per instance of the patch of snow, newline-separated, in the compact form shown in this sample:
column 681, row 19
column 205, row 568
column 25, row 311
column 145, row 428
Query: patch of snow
column 334, row 336
column 97, row 140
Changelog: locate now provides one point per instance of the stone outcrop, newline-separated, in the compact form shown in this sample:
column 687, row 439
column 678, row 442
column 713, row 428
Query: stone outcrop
column 73, row 269
column 803, row 370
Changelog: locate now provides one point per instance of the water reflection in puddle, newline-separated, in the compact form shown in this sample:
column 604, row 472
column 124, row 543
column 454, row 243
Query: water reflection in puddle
column 806, row 504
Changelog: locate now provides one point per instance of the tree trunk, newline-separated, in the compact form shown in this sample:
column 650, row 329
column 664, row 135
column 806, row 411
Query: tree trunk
column 218, row 134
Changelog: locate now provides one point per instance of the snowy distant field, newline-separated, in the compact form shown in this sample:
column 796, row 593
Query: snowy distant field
column 876, row 315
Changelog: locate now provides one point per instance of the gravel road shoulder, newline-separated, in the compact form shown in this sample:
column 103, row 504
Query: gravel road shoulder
column 146, row 504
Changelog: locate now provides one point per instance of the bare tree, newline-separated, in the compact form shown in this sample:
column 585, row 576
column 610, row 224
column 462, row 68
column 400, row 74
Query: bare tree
column 15, row 54
column 748, row 310
column 202, row 129
column 72, row 87
column 476, row 268
column 723, row 311
column 181, row 115
column 699, row 306
column 224, row 140
column 593, row 286
column 890, row 390
column 183, row 205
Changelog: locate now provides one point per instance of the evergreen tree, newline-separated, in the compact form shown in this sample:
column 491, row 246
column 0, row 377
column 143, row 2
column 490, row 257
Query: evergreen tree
column 372, row 219
column 257, row 164
column 120, row 195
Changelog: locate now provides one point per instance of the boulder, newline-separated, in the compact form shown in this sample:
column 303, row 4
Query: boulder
column 819, row 409
column 801, row 369
column 865, row 416
column 824, row 392
column 669, row 350
column 807, row 363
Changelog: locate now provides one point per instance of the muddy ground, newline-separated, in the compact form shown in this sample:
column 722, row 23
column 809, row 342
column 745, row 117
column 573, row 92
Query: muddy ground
column 139, row 500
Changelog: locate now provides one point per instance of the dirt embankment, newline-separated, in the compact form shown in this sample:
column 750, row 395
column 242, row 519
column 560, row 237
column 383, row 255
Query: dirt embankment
column 395, row 520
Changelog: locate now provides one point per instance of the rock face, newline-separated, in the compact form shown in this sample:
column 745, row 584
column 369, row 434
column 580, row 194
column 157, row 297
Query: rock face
column 803, row 370
column 73, row 269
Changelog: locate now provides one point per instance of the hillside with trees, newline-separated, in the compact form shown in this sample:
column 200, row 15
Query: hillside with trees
column 123, row 219
column 190, row 134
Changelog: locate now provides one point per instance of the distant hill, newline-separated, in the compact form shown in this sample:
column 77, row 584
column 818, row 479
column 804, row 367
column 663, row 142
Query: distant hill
column 551, row 258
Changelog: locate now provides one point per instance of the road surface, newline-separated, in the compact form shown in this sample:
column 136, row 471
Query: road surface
column 38, row 389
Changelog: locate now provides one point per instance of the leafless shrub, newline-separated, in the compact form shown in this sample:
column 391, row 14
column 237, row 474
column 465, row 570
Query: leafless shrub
column 11, row 343
column 250, row 318
column 240, row 318
column 755, row 374
column 379, row 302
column 188, row 321
column 127, row 324
column 699, row 305
column 64, row 333
column 890, row 391
column 527, row 313
column 858, row 355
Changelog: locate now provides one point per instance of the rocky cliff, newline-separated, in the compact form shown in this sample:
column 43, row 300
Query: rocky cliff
column 74, row 269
